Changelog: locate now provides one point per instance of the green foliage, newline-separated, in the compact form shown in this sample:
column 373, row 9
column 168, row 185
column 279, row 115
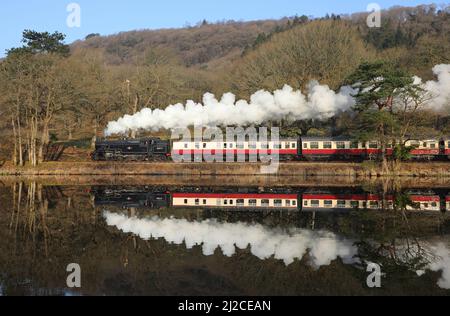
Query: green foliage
column 370, row 123
column 92, row 35
column 402, row 152
column 42, row 42
column 379, row 83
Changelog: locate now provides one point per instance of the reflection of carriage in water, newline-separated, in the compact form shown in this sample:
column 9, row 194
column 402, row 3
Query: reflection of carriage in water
column 261, row 200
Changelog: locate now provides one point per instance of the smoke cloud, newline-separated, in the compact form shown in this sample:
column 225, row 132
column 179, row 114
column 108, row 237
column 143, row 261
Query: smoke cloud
column 319, row 103
column 438, row 91
column 286, row 245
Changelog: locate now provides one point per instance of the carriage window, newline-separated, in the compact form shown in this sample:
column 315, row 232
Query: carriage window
column 186, row 146
column 197, row 145
column 433, row 146
column 240, row 202
column 185, row 201
column 373, row 204
column 252, row 146
column 294, row 203
column 305, row 145
column 314, row 145
column 288, row 202
column 204, row 202
column 373, row 145
column 225, row 202
column 354, row 203
column 425, row 145
column 328, row 203
column 264, row 146
column 340, row 145
column 315, row 203
column 305, row 203
column 276, row 146
column 434, row 204
column 278, row 203
column 231, row 145
column 354, row 145
column 294, row 145
column 252, row 202
column 205, row 145
column 225, row 145
column 265, row 203
column 231, row 202
column 240, row 146
column 327, row 145
column 197, row 202
column 341, row 203
column 287, row 146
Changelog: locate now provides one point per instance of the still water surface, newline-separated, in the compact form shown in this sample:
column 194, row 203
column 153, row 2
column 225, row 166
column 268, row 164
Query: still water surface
column 155, row 240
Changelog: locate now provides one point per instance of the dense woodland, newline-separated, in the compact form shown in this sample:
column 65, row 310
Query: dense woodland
column 50, row 91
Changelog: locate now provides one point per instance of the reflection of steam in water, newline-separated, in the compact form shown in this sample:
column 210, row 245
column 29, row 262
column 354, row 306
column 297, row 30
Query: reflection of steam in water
column 287, row 245
column 442, row 265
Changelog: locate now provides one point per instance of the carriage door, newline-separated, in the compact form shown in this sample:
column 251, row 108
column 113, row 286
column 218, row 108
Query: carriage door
column 442, row 147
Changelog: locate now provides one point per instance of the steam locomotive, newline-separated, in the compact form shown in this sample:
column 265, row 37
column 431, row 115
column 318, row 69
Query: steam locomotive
column 305, row 148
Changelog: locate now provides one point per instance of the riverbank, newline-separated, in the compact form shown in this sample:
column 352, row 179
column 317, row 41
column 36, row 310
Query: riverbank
column 291, row 169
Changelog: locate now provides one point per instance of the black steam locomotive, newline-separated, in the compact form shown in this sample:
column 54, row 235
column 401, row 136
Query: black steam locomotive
column 146, row 149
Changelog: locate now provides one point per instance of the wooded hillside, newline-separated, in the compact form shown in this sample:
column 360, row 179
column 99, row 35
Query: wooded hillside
column 50, row 92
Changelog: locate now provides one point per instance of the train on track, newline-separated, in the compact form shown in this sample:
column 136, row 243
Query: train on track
column 305, row 148
column 269, row 200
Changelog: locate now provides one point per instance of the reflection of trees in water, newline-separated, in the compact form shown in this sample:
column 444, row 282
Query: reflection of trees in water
column 29, row 212
column 402, row 255
column 117, row 263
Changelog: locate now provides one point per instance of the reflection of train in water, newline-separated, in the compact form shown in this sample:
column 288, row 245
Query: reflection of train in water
column 254, row 200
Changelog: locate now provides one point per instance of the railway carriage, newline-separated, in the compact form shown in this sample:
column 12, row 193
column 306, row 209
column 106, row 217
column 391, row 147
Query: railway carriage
column 344, row 202
column 329, row 148
column 253, row 201
column 424, row 149
column 424, row 201
column 287, row 149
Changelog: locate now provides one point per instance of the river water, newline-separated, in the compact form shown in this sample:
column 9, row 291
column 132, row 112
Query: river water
column 234, row 240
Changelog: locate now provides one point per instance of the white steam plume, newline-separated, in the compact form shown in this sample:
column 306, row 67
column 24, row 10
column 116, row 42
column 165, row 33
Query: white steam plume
column 320, row 103
column 286, row 245
column 438, row 91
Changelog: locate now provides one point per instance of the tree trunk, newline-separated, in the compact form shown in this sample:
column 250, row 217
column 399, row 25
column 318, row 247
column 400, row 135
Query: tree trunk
column 94, row 139
column 135, row 109
column 70, row 136
column 20, row 149
column 14, row 157
column 45, row 140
